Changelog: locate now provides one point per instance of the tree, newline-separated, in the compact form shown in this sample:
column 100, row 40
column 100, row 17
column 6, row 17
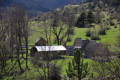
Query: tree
column 90, row 17
column 62, row 26
column 19, row 31
column 81, row 20
column 115, row 2
column 46, row 24
column 105, row 65
column 77, row 68
column 3, row 42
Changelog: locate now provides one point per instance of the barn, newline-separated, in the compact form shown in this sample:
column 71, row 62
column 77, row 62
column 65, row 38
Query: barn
column 53, row 51
column 40, row 42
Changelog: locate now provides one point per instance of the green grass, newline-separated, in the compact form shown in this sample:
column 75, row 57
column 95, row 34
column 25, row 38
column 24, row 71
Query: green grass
column 109, row 38
column 36, row 32
column 78, row 33
column 33, row 72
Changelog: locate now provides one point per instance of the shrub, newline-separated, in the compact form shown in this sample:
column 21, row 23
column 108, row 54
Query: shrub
column 55, row 73
column 107, row 28
column 95, row 37
column 69, row 39
column 115, row 26
column 88, row 32
column 35, row 62
column 112, row 23
column 72, row 31
column 102, row 31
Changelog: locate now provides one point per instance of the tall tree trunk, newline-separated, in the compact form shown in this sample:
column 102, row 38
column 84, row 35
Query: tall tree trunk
column 48, row 66
column 26, row 44
column 58, row 40
column 21, row 70
column 18, row 51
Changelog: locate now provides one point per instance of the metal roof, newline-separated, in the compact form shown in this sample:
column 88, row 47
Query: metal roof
column 50, row 48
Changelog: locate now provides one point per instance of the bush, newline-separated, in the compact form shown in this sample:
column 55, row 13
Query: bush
column 107, row 28
column 69, row 39
column 35, row 62
column 88, row 32
column 102, row 31
column 115, row 26
column 72, row 31
column 112, row 23
column 55, row 73
column 95, row 37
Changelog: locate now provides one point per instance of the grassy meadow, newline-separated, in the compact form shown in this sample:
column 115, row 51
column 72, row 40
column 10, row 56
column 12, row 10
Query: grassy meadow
column 108, row 39
column 35, row 71
column 36, row 32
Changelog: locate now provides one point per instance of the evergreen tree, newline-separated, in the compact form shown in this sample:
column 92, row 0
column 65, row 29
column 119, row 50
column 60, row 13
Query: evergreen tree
column 90, row 17
column 77, row 68
column 81, row 20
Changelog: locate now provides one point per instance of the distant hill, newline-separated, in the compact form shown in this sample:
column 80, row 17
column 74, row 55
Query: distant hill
column 5, row 2
column 39, row 5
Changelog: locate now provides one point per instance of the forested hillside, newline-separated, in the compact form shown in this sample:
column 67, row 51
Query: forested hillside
column 39, row 5
column 5, row 2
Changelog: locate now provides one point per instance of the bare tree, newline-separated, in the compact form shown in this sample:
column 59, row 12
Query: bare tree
column 4, row 49
column 62, row 26
column 19, row 31
column 46, row 18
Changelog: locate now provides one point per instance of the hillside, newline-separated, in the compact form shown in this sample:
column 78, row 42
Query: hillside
column 98, row 21
column 105, row 16
column 5, row 2
column 39, row 5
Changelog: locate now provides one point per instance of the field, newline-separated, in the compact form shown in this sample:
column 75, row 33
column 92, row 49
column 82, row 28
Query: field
column 36, row 32
column 34, row 71
column 108, row 39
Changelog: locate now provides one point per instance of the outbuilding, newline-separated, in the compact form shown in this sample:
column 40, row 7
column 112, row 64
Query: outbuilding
column 43, row 51
column 40, row 42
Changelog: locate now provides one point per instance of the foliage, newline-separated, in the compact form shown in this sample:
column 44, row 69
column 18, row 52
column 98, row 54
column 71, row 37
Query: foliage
column 55, row 73
column 95, row 35
column 90, row 17
column 102, row 31
column 81, row 20
column 107, row 70
column 77, row 68
column 88, row 32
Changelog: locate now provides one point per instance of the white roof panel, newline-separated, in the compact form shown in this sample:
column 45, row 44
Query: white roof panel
column 50, row 48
